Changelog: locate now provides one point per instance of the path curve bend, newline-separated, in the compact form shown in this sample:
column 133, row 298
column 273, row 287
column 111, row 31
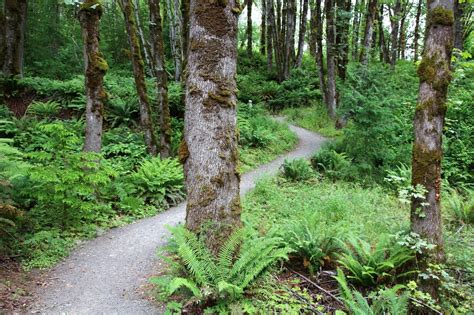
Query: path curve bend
column 105, row 275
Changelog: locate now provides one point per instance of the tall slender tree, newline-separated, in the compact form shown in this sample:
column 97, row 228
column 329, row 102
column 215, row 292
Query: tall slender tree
column 159, row 71
column 95, row 68
column 302, row 33
column 209, row 149
column 383, row 48
column 368, row 33
column 14, row 38
column 263, row 27
column 139, row 76
column 416, row 31
column 176, row 40
column 319, row 52
column 271, row 33
column 144, row 43
column 395, row 23
column 249, row 28
column 312, row 29
column 356, row 28
column 342, row 36
column 435, row 75
column 331, row 96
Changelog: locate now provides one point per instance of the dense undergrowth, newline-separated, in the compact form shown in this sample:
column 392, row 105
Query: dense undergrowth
column 53, row 195
column 337, row 228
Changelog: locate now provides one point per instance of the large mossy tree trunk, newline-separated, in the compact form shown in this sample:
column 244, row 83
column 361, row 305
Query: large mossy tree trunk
column 302, row 33
column 95, row 68
column 416, row 31
column 368, row 33
column 138, row 66
column 159, row 71
column 435, row 75
column 14, row 37
column 331, row 101
column 176, row 40
column 395, row 23
column 209, row 149
column 319, row 51
column 249, row 31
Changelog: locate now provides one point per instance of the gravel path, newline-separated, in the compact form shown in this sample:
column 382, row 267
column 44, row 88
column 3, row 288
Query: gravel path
column 106, row 275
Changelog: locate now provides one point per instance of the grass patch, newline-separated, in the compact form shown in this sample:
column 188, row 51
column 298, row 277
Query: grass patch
column 314, row 118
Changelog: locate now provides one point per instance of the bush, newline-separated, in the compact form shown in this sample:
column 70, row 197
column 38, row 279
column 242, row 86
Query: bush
column 332, row 164
column 222, row 279
column 369, row 265
column 296, row 170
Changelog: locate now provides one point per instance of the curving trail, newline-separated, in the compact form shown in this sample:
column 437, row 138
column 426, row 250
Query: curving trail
column 106, row 275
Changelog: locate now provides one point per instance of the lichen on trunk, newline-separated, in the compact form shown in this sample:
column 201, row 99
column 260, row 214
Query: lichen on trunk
column 95, row 68
column 210, row 141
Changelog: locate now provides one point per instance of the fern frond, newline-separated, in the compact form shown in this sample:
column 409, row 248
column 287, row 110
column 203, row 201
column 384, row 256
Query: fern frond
column 178, row 283
column 226, row 254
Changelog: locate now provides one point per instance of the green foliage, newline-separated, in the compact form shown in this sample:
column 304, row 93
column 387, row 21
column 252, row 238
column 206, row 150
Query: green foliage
column 47, row 109
column 160, row 182
column 333, row 164
column 314, row 118
column 461, row 208
column 240, row 262
column 385, row 301
column 296, row 170
column 368, row 264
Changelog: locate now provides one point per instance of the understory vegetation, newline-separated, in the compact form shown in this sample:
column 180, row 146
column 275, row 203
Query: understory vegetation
column 335, row 231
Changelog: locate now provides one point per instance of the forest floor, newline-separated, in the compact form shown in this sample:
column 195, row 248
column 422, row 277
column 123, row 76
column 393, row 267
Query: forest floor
column 109, row 274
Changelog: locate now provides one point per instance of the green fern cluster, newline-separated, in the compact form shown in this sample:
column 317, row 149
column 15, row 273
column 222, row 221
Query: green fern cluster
column 297, row 170
column 238, row 265
column 386, row 301
column 369, row 265
column 48, row 109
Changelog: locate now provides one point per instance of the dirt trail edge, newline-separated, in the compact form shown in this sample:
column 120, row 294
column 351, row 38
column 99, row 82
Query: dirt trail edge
column 105, row 275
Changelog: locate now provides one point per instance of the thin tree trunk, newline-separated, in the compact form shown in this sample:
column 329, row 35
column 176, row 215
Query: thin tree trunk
column 435, row 75
column 368, row 33
column 302, row 33
column 145, row 44
column 342, row 36
column 417, row 30
column 95, row 68
column 319, row 54
column 330, row 56
column 2, row 39
column 356, row 28
column 249, row 28
column 394, row 19
column 210, row 148
column 176, row 26
column 139, row 75
column 185, row 34
column 290, row 37
column 402, row 36
column 160, row 74
column 15, row 24
column 263, row 28
column 458, row 25
column 312, row 29
column 271, row 31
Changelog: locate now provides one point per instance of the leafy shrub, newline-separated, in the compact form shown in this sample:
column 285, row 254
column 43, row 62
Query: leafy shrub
column 45, row 248
column 225, row 278
column 368, row 264
column 160, row 182
column 255, row 130
column 65, row 184
column 297, row 169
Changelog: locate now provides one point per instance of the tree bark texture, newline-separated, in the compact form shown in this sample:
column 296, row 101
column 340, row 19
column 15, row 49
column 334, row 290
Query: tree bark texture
column 356, row 28
column 249, row 30
column 435, row 75
column 141, row 35
column 15, row 24
column 176, row 40
column 331, row 101
column 139, row 75
column 302, row 33
column 209, row 149
column 368, row 33
column 342, row 36
column 161, row 77
column 312, row 29
column 95, row 68
column 271, row 30
column 383, row 49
